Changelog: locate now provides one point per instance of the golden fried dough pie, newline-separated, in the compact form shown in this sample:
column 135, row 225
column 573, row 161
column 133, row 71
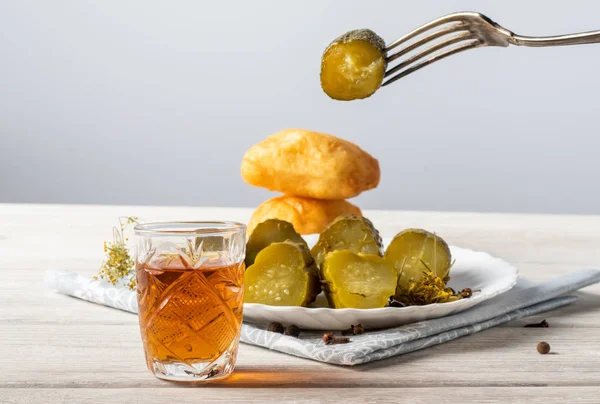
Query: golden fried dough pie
column 310, row 164
column 307, row 215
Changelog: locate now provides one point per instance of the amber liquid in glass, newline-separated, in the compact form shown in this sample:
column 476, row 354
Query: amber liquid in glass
column 189, row 315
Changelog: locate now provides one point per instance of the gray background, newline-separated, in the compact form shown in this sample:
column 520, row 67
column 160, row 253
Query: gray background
column 139, row 102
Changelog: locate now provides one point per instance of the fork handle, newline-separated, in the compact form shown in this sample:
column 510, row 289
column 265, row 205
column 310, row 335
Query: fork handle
column 559, row 40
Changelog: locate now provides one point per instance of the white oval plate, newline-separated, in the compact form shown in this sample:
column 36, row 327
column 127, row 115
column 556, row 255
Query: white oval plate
column 473, row 269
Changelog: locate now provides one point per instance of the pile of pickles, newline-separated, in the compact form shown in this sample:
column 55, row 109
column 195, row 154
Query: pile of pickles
column 348, row 263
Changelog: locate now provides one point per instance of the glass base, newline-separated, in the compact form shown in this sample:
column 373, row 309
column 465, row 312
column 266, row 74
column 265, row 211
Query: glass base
column 220, row 368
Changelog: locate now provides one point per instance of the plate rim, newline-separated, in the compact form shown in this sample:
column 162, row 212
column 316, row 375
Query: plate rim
column 474, row 300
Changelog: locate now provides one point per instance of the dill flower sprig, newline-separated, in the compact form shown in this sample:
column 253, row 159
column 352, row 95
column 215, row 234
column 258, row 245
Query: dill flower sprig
column 429, row 289
column 118, row 266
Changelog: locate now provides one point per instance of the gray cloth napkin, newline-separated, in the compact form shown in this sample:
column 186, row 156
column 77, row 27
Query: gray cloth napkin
column 525, row 299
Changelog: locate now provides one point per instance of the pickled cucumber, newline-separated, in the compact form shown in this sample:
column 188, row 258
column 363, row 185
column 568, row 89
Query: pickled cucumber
column 349, row 232
column 415, row 251
column 353, row 65
column 360, row 281
column 269, row 232
column 282, row 275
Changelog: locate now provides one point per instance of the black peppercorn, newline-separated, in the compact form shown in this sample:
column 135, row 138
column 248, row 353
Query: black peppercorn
column 276, row 327
column 466, row 293
column 543, row 348
column 292, row 331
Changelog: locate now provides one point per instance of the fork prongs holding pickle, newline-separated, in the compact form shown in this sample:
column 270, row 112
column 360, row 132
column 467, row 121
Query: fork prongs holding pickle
column 459, row 32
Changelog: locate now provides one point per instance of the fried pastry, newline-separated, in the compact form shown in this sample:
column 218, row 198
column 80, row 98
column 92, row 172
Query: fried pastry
column 308, row 215
column 310, row 164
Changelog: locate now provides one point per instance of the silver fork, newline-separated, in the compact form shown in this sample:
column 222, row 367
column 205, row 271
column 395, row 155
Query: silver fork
column 466, row 30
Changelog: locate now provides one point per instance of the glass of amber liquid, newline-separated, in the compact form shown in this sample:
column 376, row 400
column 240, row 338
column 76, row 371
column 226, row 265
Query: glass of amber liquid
column 190, row 290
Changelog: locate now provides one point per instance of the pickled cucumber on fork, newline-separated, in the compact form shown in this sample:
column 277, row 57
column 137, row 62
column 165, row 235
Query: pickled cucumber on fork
column 361, row 281
column 414, row 252
column 282, row 275
column 269, row 232
column 348, row 232
column 353, row 65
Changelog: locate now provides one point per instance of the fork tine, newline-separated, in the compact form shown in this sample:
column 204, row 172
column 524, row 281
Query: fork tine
column 432, row 24
column 440, row 56
column 428, row 38
column 450, row 41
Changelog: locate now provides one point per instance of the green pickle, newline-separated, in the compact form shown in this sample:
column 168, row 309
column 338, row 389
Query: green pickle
column 282, row 275
column 351, row 233
column 360, row 281
column 269, row 232
column 416, row 251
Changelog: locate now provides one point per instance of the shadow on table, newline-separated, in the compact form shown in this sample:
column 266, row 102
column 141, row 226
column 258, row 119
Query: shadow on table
column 248, row 377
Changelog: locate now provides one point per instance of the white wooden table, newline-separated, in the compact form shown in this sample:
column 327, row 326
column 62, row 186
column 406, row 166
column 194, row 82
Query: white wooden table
column 56, row 349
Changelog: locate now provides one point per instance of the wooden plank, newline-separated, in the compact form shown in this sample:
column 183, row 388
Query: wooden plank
column 205, row 394
column 110, row 355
